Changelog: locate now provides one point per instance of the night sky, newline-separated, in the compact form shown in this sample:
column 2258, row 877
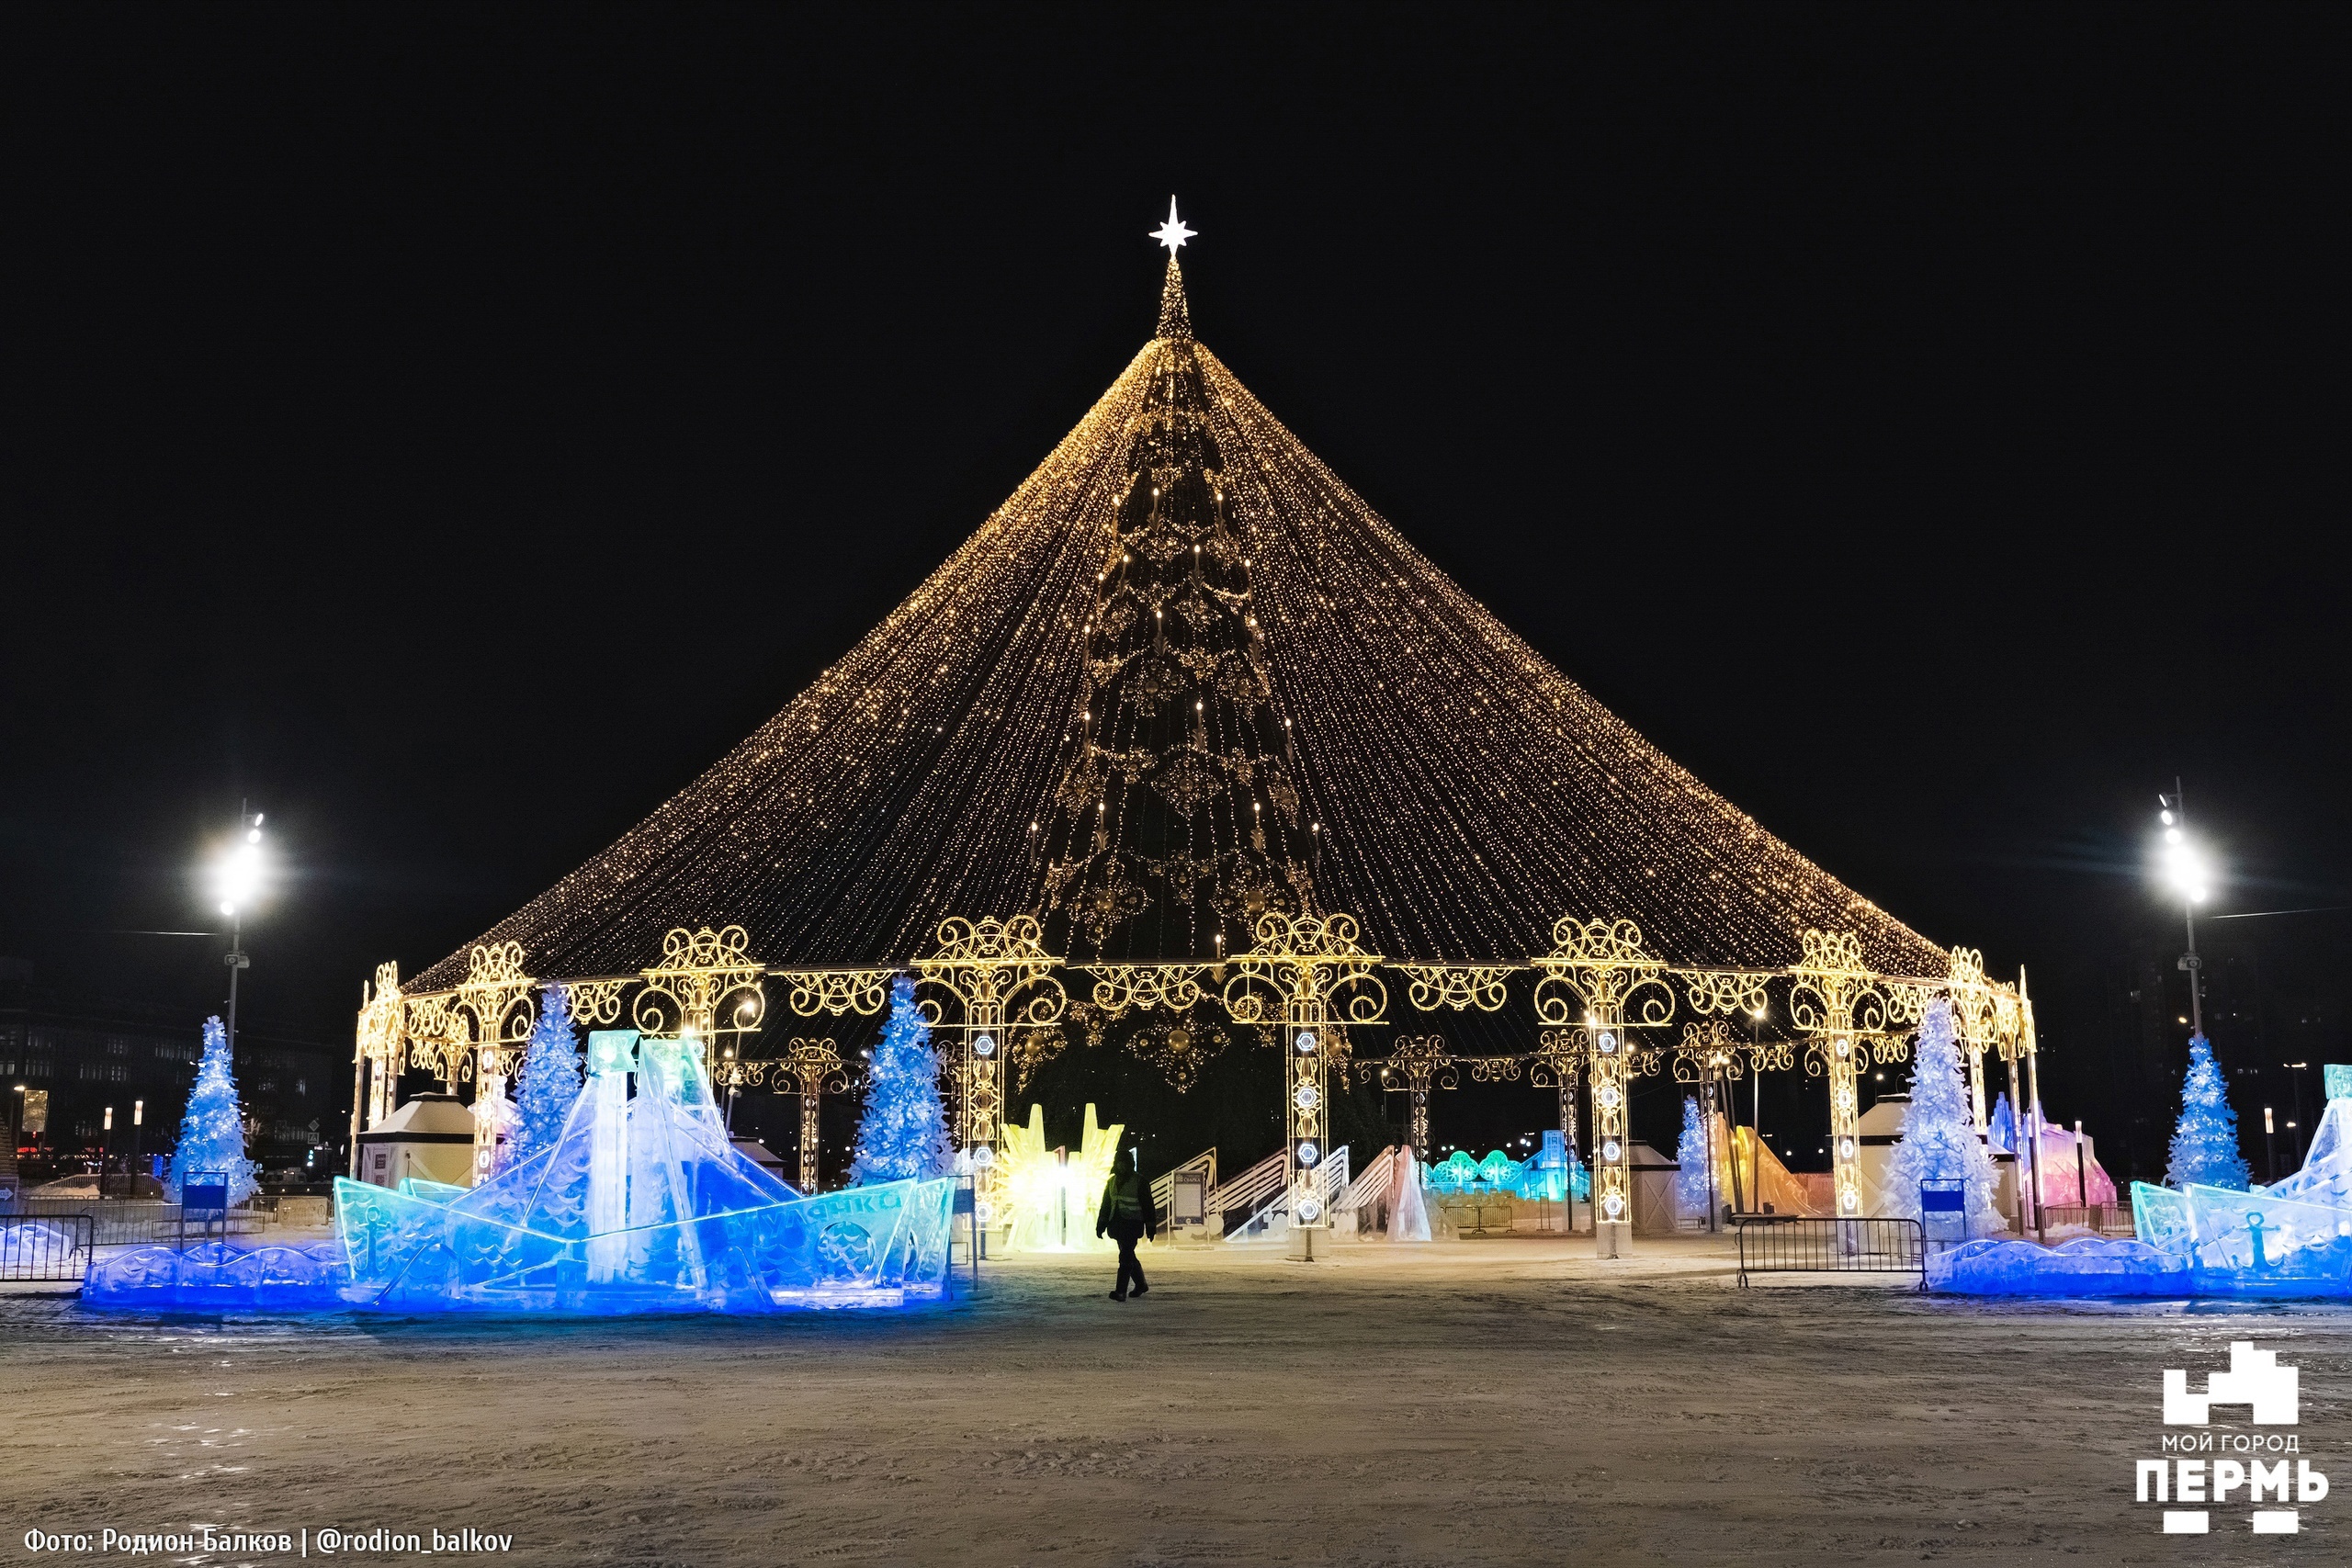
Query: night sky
column 452, row 432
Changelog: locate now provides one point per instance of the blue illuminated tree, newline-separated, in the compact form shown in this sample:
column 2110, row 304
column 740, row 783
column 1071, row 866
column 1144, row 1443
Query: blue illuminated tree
column 549, row 1081
column 1690, row 1184
column 1939, row 1141
column 212, row 1133
column 2205, row 1144
column 902, row 1136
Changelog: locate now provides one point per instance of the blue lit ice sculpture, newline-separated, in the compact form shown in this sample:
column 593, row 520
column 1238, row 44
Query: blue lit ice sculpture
column 640, row 1205
column 2293, row 1239
column 1550, row 1176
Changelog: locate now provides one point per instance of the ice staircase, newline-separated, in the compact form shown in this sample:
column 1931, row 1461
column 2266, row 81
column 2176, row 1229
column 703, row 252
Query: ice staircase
column 1273, row 1216
column 1369, row 1188
column 1249, row 1190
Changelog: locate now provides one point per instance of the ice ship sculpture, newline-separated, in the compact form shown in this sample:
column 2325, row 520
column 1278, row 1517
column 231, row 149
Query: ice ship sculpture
column 2290, row 1239
column 641, row 1205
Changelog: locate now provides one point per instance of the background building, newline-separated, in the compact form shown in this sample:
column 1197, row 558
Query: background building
column 74, row 1053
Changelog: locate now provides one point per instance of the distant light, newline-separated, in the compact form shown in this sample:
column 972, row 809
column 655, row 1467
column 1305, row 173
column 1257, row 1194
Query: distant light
column 2167, row 815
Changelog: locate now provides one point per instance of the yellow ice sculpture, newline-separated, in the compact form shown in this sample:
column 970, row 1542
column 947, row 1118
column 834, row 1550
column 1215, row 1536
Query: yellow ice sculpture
column 1052, row 1194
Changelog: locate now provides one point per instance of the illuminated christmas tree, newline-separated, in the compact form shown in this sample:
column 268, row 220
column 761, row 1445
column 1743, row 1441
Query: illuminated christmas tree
column 1691, row 1183
column 902, row 1136
column 1177, row 818
column 549, row 1080
column 1939, row 1141
column 2205, row 1142
column 212, row 1133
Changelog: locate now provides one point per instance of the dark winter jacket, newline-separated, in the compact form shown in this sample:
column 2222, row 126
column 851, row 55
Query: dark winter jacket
column 1128, row 1212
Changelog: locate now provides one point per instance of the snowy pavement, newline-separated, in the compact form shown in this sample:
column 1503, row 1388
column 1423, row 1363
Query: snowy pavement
column 1511, row 1401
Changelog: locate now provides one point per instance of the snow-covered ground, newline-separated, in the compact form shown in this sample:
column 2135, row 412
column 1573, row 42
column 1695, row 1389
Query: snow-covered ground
column 1466, row 1402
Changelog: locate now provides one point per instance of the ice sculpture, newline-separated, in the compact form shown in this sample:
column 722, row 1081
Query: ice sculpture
column 2070, row 1173
column 2292, row 1240
column 641, row 1205
column 1550, row 1176
column 2087, row 1266
column 1052, row 1195
column 1458, row 1172
column 2326, row 1175
column 2258, row 1232
column 1409, row 1215
column 2160, row 1217
column 221, row 1276
column 1766, row 1185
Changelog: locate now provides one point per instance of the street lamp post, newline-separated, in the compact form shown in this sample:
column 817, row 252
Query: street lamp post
column 2187, row 876
column 2295, row 1071
column 138, row 1121
column 238, row 876
column 106, row 1153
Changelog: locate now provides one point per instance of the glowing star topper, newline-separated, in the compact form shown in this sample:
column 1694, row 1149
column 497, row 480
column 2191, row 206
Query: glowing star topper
column 1173, row 232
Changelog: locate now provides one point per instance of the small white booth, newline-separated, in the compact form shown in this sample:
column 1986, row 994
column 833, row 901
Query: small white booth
column 431, row 1136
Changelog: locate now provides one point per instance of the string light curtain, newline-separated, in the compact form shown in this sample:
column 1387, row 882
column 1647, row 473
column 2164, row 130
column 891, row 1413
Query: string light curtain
column 1330, row 724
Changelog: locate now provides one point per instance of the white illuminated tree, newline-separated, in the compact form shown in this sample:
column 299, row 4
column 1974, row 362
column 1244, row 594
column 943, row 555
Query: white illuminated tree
column 1939, row 1141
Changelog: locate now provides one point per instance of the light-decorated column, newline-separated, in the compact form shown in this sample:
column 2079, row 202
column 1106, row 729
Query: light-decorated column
column 1598, row 973
column 816, row 1070
column 1845, row 1011
column 1421, row 1061
column 1975, row 1005
column 375, row 1055
column 1307, row 1112
column 810, row 1176
column 1560, row 1063
column 1001, row 977
column 1709, row 1057
column 2013, row 1036
column 1613, row 1179
column 1424, row 1059
column 1308, row 974
column 815, row 1066
column 495, row 995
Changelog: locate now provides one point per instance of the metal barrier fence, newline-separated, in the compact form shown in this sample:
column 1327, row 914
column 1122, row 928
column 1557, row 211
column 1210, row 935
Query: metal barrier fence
column 2108, row 1219
column 1788, row 1243
column 48, row 1248
column 116, row 1223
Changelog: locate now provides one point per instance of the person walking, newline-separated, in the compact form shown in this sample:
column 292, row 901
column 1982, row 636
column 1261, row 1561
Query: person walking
column 1128, row 1215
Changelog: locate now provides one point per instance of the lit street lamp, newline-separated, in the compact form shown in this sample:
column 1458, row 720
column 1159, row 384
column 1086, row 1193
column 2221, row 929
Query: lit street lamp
column 2185, row 869
column 237, row 879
